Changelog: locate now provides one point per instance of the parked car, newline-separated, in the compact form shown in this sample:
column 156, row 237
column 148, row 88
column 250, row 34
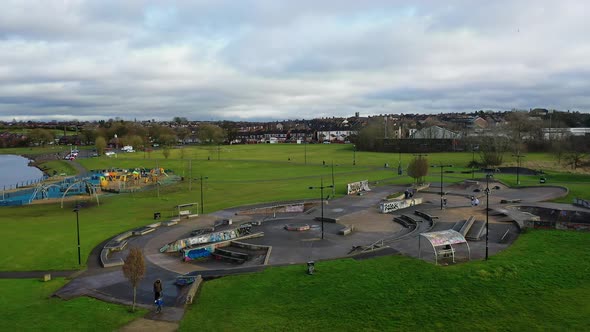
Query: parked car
column 110, row 153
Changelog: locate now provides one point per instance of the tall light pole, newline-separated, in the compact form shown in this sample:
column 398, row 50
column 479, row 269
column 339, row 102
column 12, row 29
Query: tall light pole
column 472, row 161
column 305, row 150
column 518, row 157
column 399, row 166
column 441, row 182
column 77, row 209
column 321, row 188
column 218, row 147
column 202, row 178
column 488, row 176
column 353, row 154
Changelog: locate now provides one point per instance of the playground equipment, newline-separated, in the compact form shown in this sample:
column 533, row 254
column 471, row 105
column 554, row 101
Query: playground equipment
column 117, row 180
column 90, row 189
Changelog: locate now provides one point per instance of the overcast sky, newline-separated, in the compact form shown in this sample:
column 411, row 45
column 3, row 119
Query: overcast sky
column 273, row 60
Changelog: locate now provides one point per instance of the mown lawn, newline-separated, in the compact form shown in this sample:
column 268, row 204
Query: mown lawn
column 27, row 306
column 250, row 174
column 540, row 283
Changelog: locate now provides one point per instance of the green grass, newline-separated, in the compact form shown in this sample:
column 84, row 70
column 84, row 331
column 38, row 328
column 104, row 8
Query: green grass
column 539, row 283
column 27, row 306
column 246, row 174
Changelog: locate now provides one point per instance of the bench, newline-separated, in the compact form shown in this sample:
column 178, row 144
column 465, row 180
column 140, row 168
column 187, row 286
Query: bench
column 445, row 253
column 184, row 213
column 425, row 215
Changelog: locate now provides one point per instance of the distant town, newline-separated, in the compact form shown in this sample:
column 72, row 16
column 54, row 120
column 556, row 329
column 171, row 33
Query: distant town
column 536, row 129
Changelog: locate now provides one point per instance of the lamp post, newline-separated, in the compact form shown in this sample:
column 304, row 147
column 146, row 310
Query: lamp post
column 77, row 209
column 472, row 161
column 305, row 150
column 353, row 154
column 518, row 157
column 218, row 148
column 488, row 176
column 333, row 187
column 441, row 182
column 201, row 179
column 321, row 188
column 399, row 165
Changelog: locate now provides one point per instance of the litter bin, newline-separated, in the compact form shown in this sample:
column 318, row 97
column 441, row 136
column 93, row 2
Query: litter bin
column 157, row 215
column 542, row 180
column 310, row 267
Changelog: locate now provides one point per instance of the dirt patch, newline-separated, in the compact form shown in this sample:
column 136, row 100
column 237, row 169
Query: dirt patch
column 370, row 221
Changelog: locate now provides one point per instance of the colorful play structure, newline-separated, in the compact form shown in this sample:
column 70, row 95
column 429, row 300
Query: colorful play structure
column 110, row 180
column 118, row 180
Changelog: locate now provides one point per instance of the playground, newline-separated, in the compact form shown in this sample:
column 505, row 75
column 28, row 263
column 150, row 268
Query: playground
column 94, row 183
column 247, row 239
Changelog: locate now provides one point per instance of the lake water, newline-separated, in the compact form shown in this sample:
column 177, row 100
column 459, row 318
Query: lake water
column 15, row 170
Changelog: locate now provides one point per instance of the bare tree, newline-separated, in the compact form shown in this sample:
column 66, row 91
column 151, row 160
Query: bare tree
column 418, row 169
column 134, row 270
column 166, row 152
column 100, row 144
column 491, row 151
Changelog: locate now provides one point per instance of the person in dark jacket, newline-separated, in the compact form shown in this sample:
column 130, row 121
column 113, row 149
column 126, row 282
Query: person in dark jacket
column 157, row 290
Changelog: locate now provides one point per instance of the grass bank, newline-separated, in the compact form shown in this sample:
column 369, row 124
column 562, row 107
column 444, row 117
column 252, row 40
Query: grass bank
column 539, row 283
column 27, row 306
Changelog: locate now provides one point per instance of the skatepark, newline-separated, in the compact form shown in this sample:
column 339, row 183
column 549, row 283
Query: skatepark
column 353, row 227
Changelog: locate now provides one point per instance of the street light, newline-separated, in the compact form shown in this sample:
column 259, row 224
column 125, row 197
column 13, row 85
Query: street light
column 353, row 154
column 472, row 161
column 201, row 179
column 77, row 209
column 321, row 188
column 305, row 150
column 399, row 166
column 488, row 176
column 518, row 156
column 441, row 182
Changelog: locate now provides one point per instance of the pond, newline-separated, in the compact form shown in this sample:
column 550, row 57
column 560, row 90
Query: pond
column 17, row 172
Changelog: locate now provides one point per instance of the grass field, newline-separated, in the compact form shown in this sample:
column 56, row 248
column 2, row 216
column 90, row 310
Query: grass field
column 27, row 306
column 541, row 283
column 541, row 277
column 245, row 174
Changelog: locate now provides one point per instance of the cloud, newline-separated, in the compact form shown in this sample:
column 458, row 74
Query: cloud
column 209, row 60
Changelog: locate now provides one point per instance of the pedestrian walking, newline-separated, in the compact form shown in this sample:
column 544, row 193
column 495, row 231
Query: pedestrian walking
column 158, row 295
column 157, row 289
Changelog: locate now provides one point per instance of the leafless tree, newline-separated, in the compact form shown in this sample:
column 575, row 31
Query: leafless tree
column 134, row 270
column 418, row 169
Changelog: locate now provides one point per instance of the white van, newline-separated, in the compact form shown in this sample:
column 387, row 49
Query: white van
column 127, row 148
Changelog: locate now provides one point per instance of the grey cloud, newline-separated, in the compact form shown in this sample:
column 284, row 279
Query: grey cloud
column 289, row 59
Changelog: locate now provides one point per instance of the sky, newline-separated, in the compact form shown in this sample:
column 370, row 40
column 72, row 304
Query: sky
column 265, row 60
